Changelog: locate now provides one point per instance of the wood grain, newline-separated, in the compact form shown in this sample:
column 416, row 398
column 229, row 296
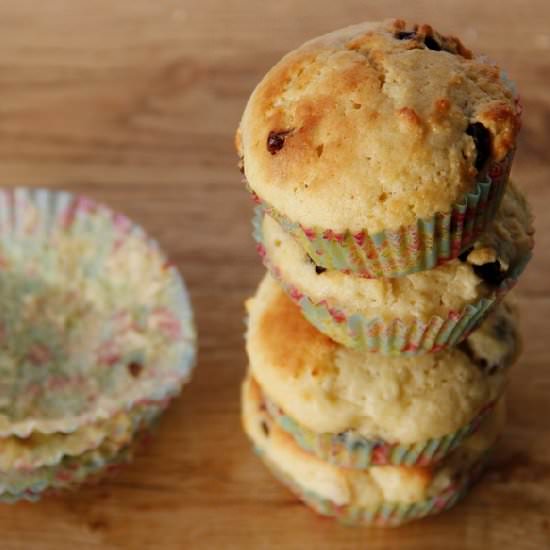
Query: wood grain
column 135, row 103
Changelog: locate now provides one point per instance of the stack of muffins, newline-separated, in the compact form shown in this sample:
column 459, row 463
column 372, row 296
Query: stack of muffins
column 379, row 343
column 96, row 338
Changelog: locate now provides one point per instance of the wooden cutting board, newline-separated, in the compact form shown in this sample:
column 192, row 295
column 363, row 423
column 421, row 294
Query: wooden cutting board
column 135, row 102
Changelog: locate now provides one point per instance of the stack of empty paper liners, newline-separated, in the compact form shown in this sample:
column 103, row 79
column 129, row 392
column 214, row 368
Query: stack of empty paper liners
column 379, row 342
column 96, row 339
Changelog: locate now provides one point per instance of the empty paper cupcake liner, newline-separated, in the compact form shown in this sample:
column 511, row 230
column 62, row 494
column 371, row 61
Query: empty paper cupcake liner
column 388, row 514
column 74, row 471
column 396, row 252
column 93, row 318
column 67, row 477
column 391, row 336
column 39, row 450
column 351, row 450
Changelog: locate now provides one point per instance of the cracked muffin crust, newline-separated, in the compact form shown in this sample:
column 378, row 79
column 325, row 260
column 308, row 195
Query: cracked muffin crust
column 375, row 126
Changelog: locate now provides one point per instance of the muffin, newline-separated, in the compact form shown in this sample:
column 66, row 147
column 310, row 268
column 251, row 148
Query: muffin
column 369, row 175
column 358, row 409
column 380, row 495
column 418, row 313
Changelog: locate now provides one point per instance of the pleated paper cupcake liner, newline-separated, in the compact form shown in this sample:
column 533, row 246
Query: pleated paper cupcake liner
column 391, row 336
column 70, row 477
column 93, row 317
column 39, row 450
column 388, row 514
column 74, row 471
column 429, row 242
column 351, row 450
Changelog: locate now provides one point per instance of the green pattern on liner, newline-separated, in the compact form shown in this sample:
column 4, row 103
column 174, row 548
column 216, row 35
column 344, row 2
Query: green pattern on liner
column 352, row 450
column 408, row 249
column 388, row 514
column 391, row 336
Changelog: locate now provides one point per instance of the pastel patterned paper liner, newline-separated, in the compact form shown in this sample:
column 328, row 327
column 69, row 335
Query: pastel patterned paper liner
column 42, row 450
column 388, row 514
column 74, row 471
column 69, row 477
column 390, row 336
column 351, row 450
column 93, row 318
column 408, row 249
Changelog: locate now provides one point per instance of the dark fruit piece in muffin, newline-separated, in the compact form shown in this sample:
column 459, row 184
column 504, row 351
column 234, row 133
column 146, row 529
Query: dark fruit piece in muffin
column 482, row 141
column 276, row 140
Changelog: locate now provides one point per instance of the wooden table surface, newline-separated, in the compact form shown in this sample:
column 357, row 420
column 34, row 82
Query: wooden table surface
column 135, row 102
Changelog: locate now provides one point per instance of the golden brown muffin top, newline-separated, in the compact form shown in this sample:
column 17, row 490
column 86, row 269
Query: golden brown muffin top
column 374, row 126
